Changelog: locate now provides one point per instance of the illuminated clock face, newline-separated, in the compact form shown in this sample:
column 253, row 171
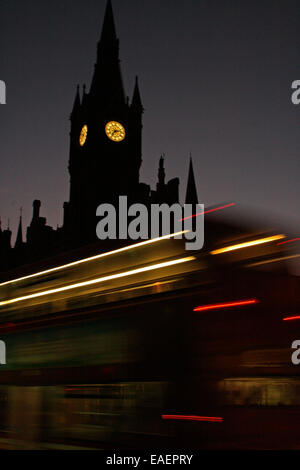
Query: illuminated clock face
column 115, row 131
column 83, row 135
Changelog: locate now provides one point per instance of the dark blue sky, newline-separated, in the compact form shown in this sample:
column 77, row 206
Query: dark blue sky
column 215, row 79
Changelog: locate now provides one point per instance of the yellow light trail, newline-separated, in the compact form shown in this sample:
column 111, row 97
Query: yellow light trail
column 239, row 246
column 92, row 258
column 98, row 280
column 273, row 260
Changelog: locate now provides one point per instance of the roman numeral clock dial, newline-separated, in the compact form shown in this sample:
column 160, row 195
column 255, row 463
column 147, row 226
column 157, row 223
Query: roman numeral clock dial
column 83, row 135
column 115, row 131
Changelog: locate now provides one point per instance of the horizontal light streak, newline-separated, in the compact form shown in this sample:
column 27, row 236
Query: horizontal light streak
column 239, row 246
column 239, row 303
column 291, row 318
column 273, row 260
column 289, row 241
column 92, row 258
column 209, row 211
column 209, row 419
column 98, row 280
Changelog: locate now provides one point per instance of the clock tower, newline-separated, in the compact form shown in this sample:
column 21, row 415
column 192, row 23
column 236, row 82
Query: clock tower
column 104, row 163
column 105, row 140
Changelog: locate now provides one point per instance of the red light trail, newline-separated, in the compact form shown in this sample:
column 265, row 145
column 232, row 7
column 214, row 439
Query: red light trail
column 209, row 211
column 289, row 241
column 239, row 303
column 209, row 419
column 295, row 317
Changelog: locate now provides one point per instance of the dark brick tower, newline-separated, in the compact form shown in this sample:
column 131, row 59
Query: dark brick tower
column 105, row 140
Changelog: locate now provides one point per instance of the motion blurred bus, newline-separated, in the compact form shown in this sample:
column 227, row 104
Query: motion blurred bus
column 152, row 345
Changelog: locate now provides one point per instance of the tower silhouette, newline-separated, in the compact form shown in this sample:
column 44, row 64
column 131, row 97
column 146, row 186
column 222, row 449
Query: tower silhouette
column 105, row 158
column 101, row 165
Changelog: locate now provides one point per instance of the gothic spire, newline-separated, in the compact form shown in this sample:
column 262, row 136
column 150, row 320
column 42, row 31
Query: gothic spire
column 108, row 35
column 191, row 190
column 107, row 80
column 77, row 104
column 136, row 100
column 19, row 239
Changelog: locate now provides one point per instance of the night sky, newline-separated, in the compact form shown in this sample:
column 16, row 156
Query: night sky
column 215, row 79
